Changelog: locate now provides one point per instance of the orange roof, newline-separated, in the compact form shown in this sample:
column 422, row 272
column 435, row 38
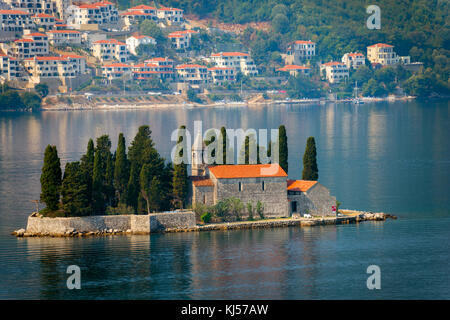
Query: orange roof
column 184, row 32
column 24, row 40
column 230, row 54
column 112, row 41
column 290, row 67
column 117, row 65
column 333, row 63
column 381, row 45
column 63, row 31
column 203, row 183
column 246, row 171
column 355, row 54
column 48, row 58
column 142, row 6
column 14, row 12
column 135, row 13
column 35, row 34
column 300, row 185
column 159, row 59
column 169, row 9
column 73, row 56
column 219, row 68
column 185, row 66
column 43, row 15
column 303, row 42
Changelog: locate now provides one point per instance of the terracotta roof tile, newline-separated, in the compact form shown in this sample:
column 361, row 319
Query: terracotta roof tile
column 300, row 185
column 203, row 183
column 245, row 171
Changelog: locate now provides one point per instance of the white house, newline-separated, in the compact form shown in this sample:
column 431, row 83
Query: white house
column 239, row 61
column 135, row 41
column 353, row 60
column 334, row 71
column 107, row 50
column 63, row 37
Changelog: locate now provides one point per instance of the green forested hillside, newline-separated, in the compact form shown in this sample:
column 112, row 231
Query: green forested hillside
column 419, row 28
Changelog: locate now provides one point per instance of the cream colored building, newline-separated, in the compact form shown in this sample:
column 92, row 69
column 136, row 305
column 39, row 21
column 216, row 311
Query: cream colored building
column 239, row 61
column 44, row 20
column 64, row 37
column 334, row 72
column 295, row 70
column 383, row 54
column 108, row 50
column 9, row 68
column 181, row 39
column 116, row 71
column 221, row 75
column 15, row 20
column 91, row 15
column 139, row 14
column 192, row 74
column 32, row 44
column 171, row 16
column 353, row 60
column 300, row 50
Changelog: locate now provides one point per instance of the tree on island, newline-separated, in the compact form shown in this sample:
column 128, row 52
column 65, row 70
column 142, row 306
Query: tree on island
column 51, row 178
column 180, row 180
column 121, row 170
column 75, row 194
column 87, row 167
column 310, row 170
column 102, row 179
column 283, row 148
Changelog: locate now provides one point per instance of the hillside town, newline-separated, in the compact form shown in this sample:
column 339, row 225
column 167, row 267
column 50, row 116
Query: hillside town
column 70, row 46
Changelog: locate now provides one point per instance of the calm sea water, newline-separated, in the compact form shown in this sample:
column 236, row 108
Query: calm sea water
column 391, row 157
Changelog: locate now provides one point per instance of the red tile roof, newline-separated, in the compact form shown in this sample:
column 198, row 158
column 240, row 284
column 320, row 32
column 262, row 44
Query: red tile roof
column 246, row 171
column 230, row 54
column 35, row 34
column 291, row 67
column 333, row 63
column 303, row 42
column 186, row 66
column 111, row 41
column 300, row 185
column 63, row 31
column 117, row 65
column 14, row 12
column 203, row 183
column 381, row 45
column 142, row 7
column 43, row 15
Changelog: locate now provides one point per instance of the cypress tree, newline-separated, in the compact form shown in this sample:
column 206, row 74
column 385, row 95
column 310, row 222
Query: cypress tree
column 102, row 175
column 87, row 167
column 51, row 178
column 225, row 143
column 283, row 148
column 75, row 197
column 151, row 190
column 121, row 170
column 180, row 180
column 310, row 170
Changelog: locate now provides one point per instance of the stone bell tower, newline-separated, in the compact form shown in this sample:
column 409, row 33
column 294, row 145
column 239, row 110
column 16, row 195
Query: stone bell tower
column 198, row 167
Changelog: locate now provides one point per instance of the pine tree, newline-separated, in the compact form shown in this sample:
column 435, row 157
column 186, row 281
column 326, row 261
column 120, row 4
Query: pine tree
column 225, row 144
column 121, row 170
column 310, row 170
column 283, row 148
column 75, row 197
column 51, row 178
column 150, row 188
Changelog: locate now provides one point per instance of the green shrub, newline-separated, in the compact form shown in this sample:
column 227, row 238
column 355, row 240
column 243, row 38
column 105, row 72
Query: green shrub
column 260, row 209
column 206, row 217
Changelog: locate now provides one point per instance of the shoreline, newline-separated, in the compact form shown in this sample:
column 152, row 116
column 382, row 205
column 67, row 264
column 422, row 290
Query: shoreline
column 147, row 228
column 143, row 105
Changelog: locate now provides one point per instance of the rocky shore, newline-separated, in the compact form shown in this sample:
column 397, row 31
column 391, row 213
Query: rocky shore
column 172, row 223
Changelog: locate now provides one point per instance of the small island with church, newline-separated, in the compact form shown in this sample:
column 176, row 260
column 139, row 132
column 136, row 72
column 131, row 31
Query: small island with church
column 139, row 192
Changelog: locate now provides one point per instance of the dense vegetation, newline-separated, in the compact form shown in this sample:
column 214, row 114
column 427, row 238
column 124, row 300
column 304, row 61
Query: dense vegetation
column 418, row 28
column 103, row 182
column 11, row 99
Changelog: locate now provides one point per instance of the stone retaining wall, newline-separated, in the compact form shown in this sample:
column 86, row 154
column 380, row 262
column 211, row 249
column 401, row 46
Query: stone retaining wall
column 119, row 223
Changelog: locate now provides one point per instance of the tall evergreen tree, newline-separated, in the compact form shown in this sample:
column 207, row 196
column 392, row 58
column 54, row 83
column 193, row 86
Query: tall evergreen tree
column 51, row 178
column 87, row 166
column 283, row 148
column 225, row 144
column 121, row 170
column 180, row 180
column 102, row 176
column 151, row 190
column 75, row 197
column 310, row 169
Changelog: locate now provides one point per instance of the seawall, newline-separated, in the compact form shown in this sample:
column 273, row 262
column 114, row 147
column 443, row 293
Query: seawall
column 137, row 224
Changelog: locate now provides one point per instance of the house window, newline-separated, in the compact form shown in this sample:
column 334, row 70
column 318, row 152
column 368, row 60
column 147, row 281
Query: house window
column 240, row 186
column 263, row 186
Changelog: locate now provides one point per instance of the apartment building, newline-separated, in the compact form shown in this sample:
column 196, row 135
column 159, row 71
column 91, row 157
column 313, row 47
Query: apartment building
column 299, row 51
column 221, row 75
column 139, row 14
column 192, row 74
column 15, row 21
column 44, row 20
column 353, row 60
column 92, row 14
column 295, row 70
column 78, row 62
column 134, row 42
column 9, row 68
column 181, row 39
column 46, row 69
column 172, row 16
column 64, row 37
column 334, row 72
column 147, row 70
column 116, row 71
column 382, row 54
column 32, row 44
column 112, row 49
column 240, row 62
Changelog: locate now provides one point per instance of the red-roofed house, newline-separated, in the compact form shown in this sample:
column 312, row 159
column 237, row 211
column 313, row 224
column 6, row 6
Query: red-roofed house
column 115, row 71
column 90, row 14
column 138, row 14
column 172, row 16
column 108, row 50
column 192, row 74
column 383, row 54
column 354, row 60
column 221, row 75
column 181, row 39
column 147, row 70
column 31, row 45
column 9, row 68
column 334, row 71
column 295, row 70
column 239, row 61
column 15, row 20
column 300, row 50
column 44, row 20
